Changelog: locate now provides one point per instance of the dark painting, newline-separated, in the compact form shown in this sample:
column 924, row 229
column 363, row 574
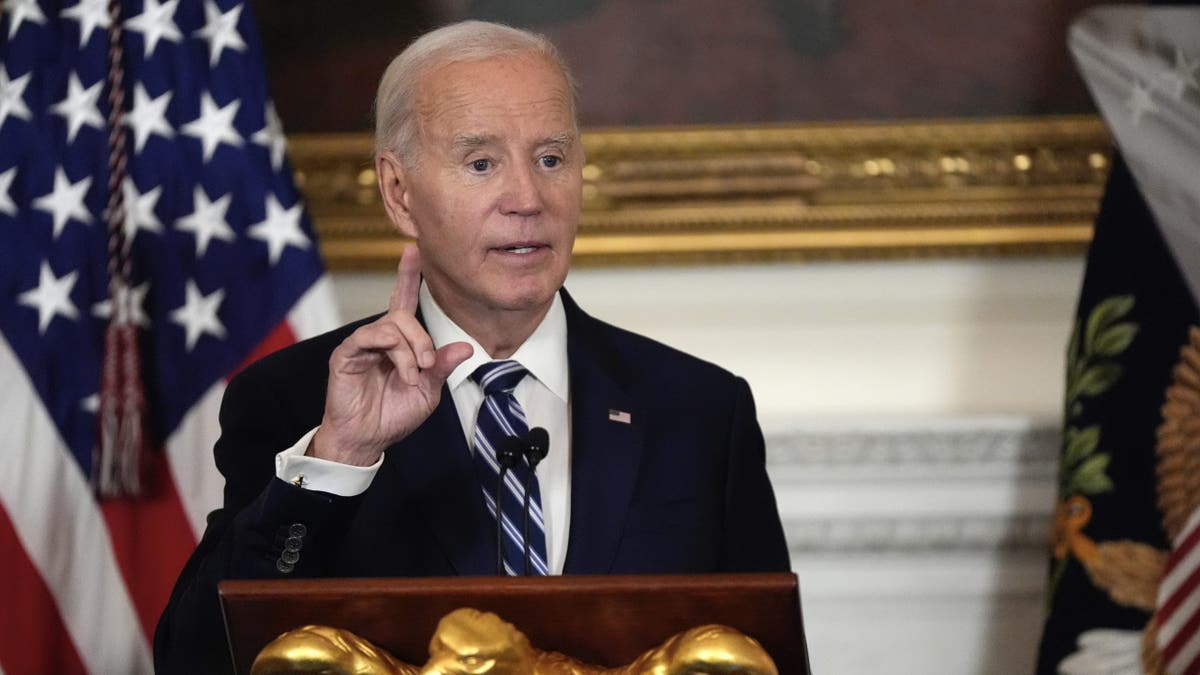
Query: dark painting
column 676, row 62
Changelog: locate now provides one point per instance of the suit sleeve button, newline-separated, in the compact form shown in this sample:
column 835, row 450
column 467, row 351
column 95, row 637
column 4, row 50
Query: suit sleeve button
column 284, row 567
column 293, row 543
column 297, row 530
column 290, row 557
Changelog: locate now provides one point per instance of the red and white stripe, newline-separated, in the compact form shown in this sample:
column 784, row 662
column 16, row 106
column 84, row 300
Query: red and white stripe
column 1178, row 612
column 84, row 582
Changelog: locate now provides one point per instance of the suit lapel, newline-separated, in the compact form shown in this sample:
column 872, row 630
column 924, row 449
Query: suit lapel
column 437, row 468
column 438, row 471
column 605, row 453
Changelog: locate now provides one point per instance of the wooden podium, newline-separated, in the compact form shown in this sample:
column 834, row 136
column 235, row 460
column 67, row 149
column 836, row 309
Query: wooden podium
column 605, row 620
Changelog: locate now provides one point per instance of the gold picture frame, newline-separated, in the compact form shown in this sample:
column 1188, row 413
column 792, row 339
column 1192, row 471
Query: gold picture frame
column 767, row 193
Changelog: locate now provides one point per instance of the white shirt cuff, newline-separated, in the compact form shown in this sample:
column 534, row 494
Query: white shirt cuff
column 311, row 473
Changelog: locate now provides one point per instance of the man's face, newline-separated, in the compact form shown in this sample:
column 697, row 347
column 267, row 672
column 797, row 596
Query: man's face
column 494, row 192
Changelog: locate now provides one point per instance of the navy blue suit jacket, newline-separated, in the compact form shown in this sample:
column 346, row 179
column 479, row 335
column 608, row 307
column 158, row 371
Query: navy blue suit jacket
column 682, row 488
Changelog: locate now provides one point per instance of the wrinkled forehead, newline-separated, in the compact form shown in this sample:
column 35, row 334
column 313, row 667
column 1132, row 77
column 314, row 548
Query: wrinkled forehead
column 460, row 93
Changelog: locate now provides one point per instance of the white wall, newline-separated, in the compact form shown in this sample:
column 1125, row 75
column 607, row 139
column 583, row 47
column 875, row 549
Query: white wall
column 929, row 337
column 910, row 410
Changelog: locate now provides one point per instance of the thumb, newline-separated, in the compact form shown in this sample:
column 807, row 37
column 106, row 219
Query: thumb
column 449, row 357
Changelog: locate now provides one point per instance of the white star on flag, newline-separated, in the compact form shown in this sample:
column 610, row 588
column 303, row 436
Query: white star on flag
column 51, row 297
column 91, row 14
column 220, row 30
column 156, row 22
column 7, row 206
column 22, row 10
column 198, row 315
column 12, row 94
column 130, row 301
column 1140, row 103
column 280, row 228
column 79, row 107
column 139, row 210
column 148, row 116
column 65, row 201
column 271, row 137
column 173, row 325
column 207, row 220
column 214, row 125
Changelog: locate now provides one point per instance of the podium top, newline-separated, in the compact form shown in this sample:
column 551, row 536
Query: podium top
column 607, row 620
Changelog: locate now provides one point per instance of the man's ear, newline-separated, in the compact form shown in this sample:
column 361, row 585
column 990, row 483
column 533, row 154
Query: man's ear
column 393, row 187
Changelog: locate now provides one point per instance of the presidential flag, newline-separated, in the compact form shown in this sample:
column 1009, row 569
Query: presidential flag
column 1125, row 587
column 152, row 242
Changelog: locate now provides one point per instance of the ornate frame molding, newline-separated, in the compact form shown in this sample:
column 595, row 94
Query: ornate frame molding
column 803, row 192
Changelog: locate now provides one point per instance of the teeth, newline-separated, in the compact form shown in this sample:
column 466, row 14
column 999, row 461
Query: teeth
column 520, row 249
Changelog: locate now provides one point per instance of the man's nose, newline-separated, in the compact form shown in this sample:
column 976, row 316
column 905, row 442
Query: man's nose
column 522, row 192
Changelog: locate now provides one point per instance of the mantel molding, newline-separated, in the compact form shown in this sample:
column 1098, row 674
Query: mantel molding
column 966, row 485
column 919, row 534
column 964, row 442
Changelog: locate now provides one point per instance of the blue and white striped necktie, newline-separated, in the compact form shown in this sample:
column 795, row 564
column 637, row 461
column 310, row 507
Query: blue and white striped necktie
column 501, row 416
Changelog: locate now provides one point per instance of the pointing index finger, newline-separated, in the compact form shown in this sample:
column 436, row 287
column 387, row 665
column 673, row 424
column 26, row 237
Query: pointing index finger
column 408, row 281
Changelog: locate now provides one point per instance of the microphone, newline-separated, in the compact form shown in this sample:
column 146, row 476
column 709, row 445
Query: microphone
column 536, row 446
column 508, row 454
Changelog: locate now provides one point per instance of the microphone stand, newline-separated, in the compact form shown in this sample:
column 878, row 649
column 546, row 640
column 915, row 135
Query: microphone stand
column 507, row 455
column 537, row 446
column 525, row 527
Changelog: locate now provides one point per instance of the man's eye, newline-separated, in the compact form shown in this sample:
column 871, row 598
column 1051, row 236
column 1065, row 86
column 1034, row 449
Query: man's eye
column 481, row 165
column 550, row 161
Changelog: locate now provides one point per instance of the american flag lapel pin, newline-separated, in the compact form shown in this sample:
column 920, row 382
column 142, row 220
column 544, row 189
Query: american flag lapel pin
column 619, row 416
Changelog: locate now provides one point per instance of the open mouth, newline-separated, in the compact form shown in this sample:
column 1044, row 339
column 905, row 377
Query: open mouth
column 521, row 248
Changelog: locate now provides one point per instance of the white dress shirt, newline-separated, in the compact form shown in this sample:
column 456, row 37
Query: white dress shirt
column 544, row 394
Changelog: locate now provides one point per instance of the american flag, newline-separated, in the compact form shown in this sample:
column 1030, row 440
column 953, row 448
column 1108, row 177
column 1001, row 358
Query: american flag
column 223, row 267
column 1178, row 613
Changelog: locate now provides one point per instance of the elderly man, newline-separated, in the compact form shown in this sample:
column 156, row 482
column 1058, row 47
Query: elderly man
column 375, row 450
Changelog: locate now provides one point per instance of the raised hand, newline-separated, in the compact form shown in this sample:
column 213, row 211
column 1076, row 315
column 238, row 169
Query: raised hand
column 385, row 379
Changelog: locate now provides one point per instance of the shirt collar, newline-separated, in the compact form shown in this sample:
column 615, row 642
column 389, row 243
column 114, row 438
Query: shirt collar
column 543, row 354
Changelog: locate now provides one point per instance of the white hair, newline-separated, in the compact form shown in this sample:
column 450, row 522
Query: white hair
column 395, row 124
